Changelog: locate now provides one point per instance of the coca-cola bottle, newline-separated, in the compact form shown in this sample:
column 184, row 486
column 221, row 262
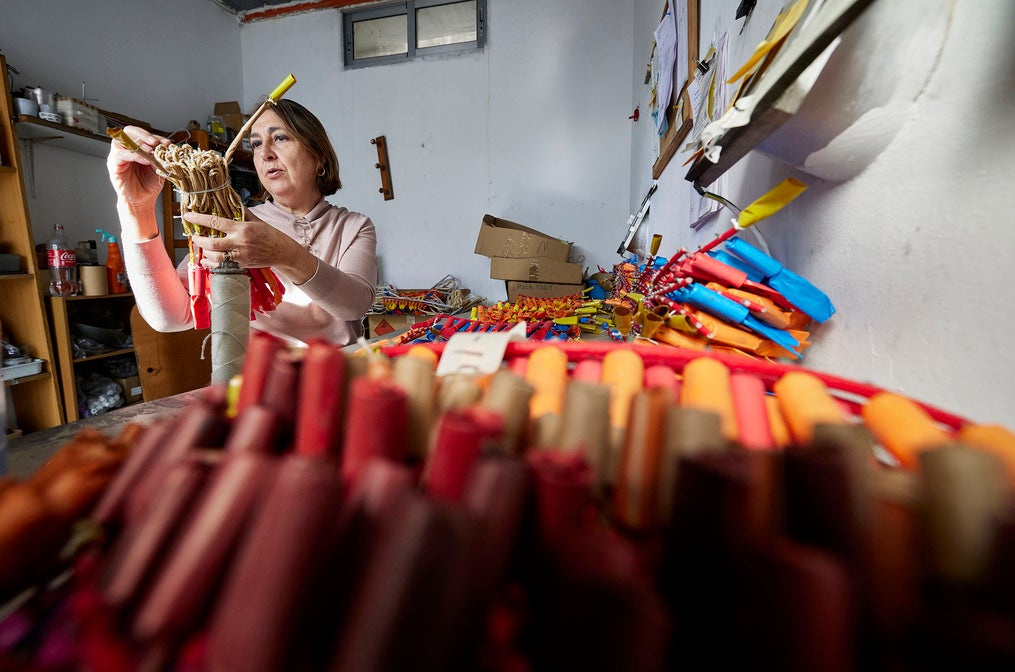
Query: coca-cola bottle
column 63, row 264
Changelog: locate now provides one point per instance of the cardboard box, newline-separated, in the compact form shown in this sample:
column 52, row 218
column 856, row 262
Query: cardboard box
column 503, row 238
column 231, row 114
column 536, row 269
column 540, row 290
column 78, row 114
column 131, row 389
column 386, row 324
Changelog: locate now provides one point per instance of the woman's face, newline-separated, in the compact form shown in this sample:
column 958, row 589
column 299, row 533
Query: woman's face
column 286, row 167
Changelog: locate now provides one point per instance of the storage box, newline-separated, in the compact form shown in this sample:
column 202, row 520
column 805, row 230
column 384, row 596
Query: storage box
column 392, row 323
column 78, row 114
column 540, row 290
column 535, row 269
column 21, row 370
column 231, row 114
column 503, row 238
column 131, row 389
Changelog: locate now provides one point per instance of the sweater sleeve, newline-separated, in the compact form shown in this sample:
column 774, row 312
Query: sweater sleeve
column 347, row 291
column 160, row 292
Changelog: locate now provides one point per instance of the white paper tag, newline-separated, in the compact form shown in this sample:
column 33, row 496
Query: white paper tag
column 477, row 352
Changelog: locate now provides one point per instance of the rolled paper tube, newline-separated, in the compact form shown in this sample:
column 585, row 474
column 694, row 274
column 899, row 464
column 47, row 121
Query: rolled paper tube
column 261, row 349
column 230, row 322
column 623, row 319
column 135, row 557
column 563, row 488
column 281, row 393
column 93, row 280
column 624, row 373
column 706, row 387
column 650, row 324
column 805, row 402
column 663, row 377
column 689, row 432
column 187, row 582
column 802, row 605
column 405, row 609
column 677, row 339
column 458, row 390
column 357, row 366
column 377, row 419
column 964, row 494
column 547, row 373
column 458, row 441
column 585, row 426
column 636, row 495
column 199, row 426
column 321, row 409
column 994, row 439
column 776, row 423
column 753, row 431
column 587, row 370
column 110, row 509
column 415, row 376
column 277, row 569
column 509, row 395
column 902, row 427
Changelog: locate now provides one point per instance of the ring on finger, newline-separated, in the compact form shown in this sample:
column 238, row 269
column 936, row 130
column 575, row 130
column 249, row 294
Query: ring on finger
column 227, row 257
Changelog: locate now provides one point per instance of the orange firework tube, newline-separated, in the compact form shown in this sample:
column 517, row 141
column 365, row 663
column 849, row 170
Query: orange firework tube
column 994, row 439
column 752, row 416
column 707, row 387
column 624, row 373
column 677, row 339
column 424, row 353
column 547, row 373
column 902, row 427
column 636, row 495
column 805, row 402
column 776, row 423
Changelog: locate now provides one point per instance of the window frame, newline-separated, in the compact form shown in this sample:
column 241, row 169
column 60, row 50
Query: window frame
column 408, row 10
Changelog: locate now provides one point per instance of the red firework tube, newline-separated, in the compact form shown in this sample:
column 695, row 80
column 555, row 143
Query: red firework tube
column 405, row 613
column 261, row 349
column 459, row 439
column 110, row 509
column 706, row 268
column 563, row 493
column 281, row 392
column 267, row 591
column 662, row 377
column 376, row 424
column 588, row 370
column 753, row 430
column 321, row 401
column 135, row 557
column 200, row 307
column 199, row 426
column 187, row 581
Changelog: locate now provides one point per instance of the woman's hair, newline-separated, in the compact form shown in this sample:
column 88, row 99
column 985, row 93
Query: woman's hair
column 308, row 129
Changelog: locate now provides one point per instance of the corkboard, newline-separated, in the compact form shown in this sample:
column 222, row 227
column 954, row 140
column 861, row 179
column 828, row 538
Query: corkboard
column 677, row 130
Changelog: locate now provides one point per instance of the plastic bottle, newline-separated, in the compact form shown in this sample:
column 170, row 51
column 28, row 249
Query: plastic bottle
column 63, row 265
column 116, row 272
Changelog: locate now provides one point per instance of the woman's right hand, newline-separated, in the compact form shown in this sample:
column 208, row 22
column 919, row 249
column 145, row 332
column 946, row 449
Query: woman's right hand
column 134, row 179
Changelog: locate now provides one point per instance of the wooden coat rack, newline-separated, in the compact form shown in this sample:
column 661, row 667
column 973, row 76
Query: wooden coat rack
column 383, row 166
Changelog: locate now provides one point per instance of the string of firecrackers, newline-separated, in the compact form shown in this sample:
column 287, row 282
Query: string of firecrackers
column 446, row 296
column 737, row 299
column 440, row 328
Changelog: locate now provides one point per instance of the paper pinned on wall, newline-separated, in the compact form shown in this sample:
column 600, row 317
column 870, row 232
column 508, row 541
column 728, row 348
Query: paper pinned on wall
column 666, row 51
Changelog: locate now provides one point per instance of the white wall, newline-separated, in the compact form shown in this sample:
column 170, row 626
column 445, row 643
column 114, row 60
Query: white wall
column 533, row 128
column 917, row 251
column 161, row 62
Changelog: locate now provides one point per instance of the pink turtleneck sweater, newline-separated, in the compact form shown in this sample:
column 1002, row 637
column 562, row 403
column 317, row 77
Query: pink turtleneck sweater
column 329, row 305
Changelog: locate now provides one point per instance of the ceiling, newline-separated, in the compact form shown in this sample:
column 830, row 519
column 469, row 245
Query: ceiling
column 254, row 10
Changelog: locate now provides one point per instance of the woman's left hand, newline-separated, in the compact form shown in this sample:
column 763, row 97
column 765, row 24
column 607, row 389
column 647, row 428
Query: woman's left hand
column 250, row 244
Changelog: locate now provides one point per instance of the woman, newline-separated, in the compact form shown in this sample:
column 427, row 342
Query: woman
column 324, row 255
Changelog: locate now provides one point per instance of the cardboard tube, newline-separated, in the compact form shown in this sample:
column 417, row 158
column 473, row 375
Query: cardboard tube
column 650, row 324
column 902, row 427
column 509, row 395
column 805, row 402
column 707, row 387
column 458, row 390
column 994, row 439
column 623, row 319
column 689, row 432
column 93, row 280
column 415, row 375
column 585, row 426
column 636, row 494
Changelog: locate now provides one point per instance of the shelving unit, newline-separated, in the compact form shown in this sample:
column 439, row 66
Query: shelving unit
column 63, row 311
column 35, row 399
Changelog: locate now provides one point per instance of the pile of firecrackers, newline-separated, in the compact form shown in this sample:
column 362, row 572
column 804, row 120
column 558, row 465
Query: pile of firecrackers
column 705, row 300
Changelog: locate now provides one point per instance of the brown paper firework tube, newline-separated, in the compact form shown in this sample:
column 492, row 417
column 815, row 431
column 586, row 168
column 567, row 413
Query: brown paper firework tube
column 376, row 420
column 404, row 614
column 802, row 613
column 753, row 431
column 459, row 438
column 689, row 432
column 964, row 493
column 902, row 427
column 636, row 494
column 187, row 581
column 415, row 375
column 458, row 391
column 277, row 566
column 805, row 402
column 509, row 395
column 110, row 509
column 585, row 427
column 135, row 557
column 199, row 426
column 994, row 439
column 706, row 387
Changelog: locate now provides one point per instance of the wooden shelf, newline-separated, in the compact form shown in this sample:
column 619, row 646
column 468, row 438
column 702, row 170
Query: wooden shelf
column 45, row 375
column 105, row 355
column 63, row 136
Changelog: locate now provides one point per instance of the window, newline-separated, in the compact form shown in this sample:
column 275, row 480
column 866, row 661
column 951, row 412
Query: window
column 396, row 33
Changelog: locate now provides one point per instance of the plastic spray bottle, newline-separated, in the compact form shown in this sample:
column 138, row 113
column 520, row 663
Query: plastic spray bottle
column 116, row 272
